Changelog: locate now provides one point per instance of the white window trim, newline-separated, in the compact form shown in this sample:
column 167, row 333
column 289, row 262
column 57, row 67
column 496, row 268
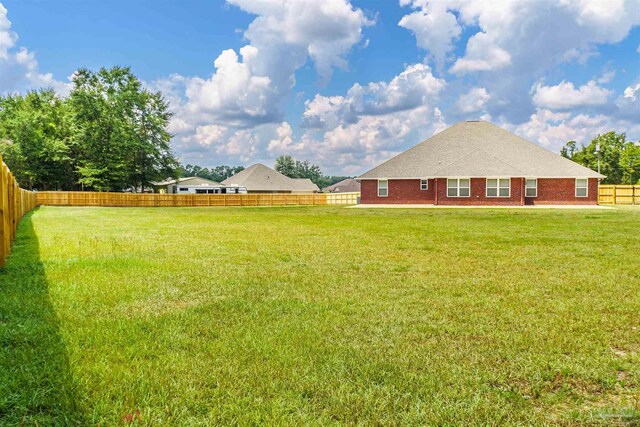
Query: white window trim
column 525, row 186
column 387, row 187
column 426, row 187
column 586, row 187
column 457, row 187
column 486, row 189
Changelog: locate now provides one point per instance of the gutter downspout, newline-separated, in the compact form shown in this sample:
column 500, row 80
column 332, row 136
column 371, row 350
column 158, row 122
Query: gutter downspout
column 522, row 191
column 435, row 189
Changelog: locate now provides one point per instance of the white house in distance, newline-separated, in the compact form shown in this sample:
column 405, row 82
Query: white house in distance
column 259, row 178
column 190, row 185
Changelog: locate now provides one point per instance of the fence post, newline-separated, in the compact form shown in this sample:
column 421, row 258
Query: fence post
column 3, row 213
column 16, row 206
column 6, row 208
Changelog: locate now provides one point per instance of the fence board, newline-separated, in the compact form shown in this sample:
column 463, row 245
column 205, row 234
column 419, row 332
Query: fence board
column 14, row 204
column 619, row 194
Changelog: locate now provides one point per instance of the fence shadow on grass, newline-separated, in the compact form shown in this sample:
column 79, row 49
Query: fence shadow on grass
column 36, row 383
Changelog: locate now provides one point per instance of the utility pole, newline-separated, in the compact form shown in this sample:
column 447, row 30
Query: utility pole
column 598, row 153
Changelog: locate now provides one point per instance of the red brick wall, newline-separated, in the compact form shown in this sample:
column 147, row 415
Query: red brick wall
column 550, row 191
column 400, row 191
column 562, row 191
column 479, row 194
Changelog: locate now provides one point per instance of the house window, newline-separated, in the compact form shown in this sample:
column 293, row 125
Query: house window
column 531, row 187
column 383, row 188
column 458, row 187
column 424, row 184
column 184, row 189
column 498, row 187
column 582, row 185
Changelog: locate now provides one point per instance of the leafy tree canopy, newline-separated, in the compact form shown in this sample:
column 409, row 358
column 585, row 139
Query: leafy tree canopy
column 120, row 130
column 217, row 173
column 36, row 141
column 293, row 168
column 109, row 134
column 619, row 158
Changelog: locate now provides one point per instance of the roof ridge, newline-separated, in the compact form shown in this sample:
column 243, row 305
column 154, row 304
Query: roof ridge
column 539, row 148
column 415, row 147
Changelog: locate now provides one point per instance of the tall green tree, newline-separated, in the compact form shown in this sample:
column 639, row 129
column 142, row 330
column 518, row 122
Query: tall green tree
column 36, row 140
column 121, row 133
column 286, row 165
column 328, row 180
column 293, row 168
column 619, row 158
column 304, row 169
column 630, row 164
column 220, row 173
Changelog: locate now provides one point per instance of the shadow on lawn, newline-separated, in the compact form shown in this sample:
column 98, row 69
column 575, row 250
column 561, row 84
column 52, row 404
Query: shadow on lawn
column 36, row 383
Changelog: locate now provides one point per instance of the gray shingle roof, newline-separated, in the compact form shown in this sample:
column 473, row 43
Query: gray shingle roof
column 191, row 180
column 262, row 178
column 478, row 149
column 348, row 185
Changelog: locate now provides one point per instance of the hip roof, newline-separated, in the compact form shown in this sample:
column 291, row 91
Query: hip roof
column 478, row 149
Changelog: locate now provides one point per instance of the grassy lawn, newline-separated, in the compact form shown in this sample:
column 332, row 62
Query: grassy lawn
column 320, row 316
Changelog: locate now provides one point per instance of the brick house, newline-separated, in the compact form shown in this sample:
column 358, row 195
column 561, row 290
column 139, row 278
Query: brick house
column 479, row 163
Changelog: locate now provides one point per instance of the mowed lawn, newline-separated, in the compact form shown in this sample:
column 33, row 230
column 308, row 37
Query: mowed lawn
column 321, row 316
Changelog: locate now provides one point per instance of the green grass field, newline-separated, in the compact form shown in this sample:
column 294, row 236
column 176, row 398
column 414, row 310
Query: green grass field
column 321, row 316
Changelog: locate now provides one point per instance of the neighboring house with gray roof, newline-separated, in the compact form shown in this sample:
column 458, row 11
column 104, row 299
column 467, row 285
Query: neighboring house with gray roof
column 349, row 185
column 262, row 179
column 479, row 163
column 188, row 185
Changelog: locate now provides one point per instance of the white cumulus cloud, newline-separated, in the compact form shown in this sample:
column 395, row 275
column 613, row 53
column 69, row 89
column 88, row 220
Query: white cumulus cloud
column 283, row 143
column 565, row 96
column 414, row 87
column 373, row 122
column 246, row 93
column 434, row 27
column 483, row 54
column 473, row 101
column 517, row 42
column 552, row 130
column 18, row 66
column 234, row 93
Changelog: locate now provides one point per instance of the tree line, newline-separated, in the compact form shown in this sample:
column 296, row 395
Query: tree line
column 216, row 173
column 110, row 133
column 619, row 159
column 293, row 168
column 285, row 164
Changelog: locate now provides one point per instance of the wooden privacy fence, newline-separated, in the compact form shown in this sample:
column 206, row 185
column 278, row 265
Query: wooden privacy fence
column 342, row 198
column 85, row 198
column 619, row 195
column 14, row 204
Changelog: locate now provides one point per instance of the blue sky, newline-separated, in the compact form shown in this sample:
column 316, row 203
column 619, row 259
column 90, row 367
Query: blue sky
column 343, row 84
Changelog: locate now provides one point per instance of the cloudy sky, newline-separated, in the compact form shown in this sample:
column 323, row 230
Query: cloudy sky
column 343, row 84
